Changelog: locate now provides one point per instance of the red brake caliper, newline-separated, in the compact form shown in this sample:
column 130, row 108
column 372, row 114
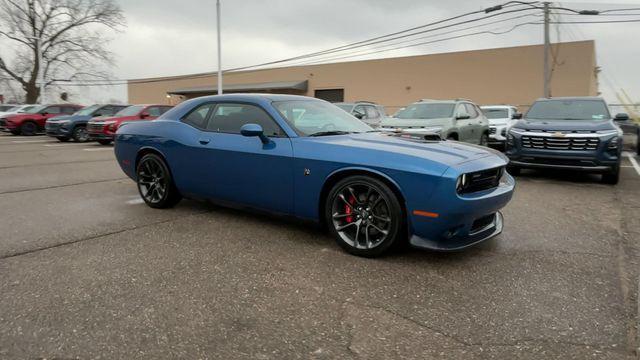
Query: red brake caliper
column 347, row 209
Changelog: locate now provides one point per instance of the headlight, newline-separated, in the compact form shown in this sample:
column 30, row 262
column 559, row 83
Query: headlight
column 433, row 129
column 516, row 131
column 613, row 143
column 461, row 183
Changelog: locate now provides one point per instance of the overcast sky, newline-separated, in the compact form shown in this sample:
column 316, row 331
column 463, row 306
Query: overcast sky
column 168, row 37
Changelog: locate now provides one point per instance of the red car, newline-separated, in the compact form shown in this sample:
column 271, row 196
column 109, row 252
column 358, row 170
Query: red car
column 32, row 121
column 103, row 129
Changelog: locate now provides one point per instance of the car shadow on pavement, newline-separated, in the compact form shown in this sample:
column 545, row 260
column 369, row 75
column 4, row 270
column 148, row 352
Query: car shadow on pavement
column 559, row 175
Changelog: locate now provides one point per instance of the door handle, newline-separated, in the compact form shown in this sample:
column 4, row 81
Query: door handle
column 204, row 141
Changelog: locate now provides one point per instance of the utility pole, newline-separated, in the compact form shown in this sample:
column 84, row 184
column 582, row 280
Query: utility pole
column 547, row 46
column 219, row 49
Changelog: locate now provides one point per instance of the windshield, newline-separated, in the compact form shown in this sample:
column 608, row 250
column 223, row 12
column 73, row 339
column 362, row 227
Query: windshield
column 313, row 117
column 33, row 110
column 426, row 111
column 26, row 108
column 88, row 110
column 569, row 110
column 496, row 113
column 130, row 111
column 4, row 108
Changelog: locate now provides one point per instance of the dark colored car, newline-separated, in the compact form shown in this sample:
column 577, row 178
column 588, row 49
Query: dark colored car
column 33, row 120
column 103, row 129
column 575, row 133
column 75, row 126
column 304, row 157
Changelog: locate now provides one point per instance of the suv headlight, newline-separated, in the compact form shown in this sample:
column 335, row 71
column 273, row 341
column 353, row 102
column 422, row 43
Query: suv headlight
column 613, row 143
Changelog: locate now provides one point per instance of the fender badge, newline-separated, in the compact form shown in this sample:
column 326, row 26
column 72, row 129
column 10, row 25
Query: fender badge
column 307, row 172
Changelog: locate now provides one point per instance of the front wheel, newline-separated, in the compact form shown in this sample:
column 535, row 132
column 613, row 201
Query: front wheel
column 80, row 134
column 155, row 184
column 28, row 128
column 104, row 142
column 364, row 216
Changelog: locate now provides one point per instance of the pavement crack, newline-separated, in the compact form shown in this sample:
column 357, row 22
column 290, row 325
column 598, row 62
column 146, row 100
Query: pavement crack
column 98, row 236
column 61, row 186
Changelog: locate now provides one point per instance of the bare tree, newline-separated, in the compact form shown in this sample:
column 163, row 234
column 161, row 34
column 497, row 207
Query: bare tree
column 69, row 32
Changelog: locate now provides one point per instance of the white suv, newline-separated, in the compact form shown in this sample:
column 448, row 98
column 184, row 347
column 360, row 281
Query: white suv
column 501, row 118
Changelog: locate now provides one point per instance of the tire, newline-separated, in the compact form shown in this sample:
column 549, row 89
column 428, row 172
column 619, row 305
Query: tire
column 358, row 201
column 513, row 171
column 28, row 128
column 484, row 139
column 613, row 177
column 104, row 142
column 155, row 184
column 15, row 132
column 452, row 138
column 80, row 134
column 62, row 139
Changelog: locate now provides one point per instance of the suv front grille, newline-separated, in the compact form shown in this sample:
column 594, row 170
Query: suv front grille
column 560, row 143
column 492, row 130
column 95, row 127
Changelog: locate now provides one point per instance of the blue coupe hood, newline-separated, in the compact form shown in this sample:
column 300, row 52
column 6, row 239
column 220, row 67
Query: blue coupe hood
column 564, row 125
column 380, row 145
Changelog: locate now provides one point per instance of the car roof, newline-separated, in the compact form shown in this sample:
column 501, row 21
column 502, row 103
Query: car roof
column 497, row 107
column 572, row 98
column 435, row 101
column 251, row 97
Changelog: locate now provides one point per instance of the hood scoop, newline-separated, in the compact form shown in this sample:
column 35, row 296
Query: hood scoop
column 422, row 138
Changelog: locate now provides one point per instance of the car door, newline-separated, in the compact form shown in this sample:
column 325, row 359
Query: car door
column 475, row 123
column 48, row 113
column 242, row 169
column 463, row 123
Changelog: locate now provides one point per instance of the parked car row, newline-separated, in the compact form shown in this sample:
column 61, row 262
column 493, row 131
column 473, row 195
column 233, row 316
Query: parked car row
column 65, row 122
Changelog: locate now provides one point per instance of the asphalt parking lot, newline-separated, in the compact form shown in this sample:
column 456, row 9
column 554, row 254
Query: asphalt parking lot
column 88, row 271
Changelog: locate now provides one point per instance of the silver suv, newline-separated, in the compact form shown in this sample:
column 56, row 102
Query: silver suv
column 459, row 119
column 369, row 112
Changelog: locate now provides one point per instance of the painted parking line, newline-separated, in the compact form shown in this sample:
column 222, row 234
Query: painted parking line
column 633, row 161
column 98, row 149
column 29, row 141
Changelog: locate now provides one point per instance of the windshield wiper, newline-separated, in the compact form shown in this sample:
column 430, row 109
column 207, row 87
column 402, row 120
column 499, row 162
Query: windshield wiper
column 333, row 132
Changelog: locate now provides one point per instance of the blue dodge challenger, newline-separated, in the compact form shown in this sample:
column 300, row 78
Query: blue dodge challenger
column 304, row 157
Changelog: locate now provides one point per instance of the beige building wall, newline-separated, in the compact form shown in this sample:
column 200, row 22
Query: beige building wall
column 494, row 76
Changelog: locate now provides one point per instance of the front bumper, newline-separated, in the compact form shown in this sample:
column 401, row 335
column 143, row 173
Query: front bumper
column 600, row 159
column 56, row 130
column 100, row 136
column 497, row 134
column 464, row 220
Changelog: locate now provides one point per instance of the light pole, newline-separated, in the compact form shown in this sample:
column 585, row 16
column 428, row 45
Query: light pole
column 219, row 49
column 40, row 68
column 547, row 45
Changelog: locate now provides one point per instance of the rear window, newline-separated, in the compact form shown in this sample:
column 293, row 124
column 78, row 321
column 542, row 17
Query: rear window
column 569, row 110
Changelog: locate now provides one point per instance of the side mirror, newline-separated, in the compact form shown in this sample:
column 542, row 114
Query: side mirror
column 144, row 115
column 251, row 130
column 516, row 116
column 463, row 116
column 621, row 117
column 359, row 115
column 44, row 113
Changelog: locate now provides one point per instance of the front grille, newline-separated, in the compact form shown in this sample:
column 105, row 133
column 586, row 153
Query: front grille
column 560, row 143
column 482, row 180
column 492, row 130
column 50, row 126
column 3, row 122
column 95, row 127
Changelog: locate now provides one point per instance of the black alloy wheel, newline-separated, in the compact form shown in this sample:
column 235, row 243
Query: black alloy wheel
column 80, row 134
column 364, row 216
column 29, row 128
column 155, row 184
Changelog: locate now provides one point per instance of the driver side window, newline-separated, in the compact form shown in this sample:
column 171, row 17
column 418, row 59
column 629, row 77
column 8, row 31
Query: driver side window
column 229, row 118
column 198, row 116
column 461, row 110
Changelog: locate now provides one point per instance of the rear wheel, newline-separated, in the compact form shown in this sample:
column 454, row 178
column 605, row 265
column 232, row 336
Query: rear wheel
column 364, row 216
column 29, row 128
column 613, row 177
column 80, row 134
column 155, row 183
column 15, row 132
column 484, row 139
column 104, row 142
